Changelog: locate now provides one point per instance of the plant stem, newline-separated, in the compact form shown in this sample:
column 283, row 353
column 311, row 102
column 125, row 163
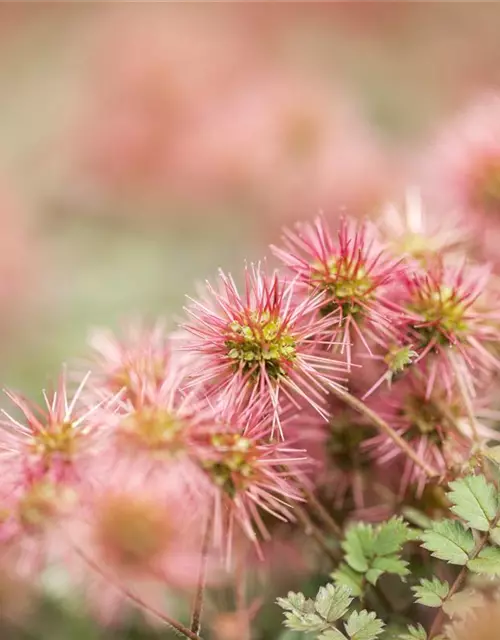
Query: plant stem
column 320, row 511
column 382, row 425
column 457, row 583
column 202, row 576
column 130, row 595
column 311, row 530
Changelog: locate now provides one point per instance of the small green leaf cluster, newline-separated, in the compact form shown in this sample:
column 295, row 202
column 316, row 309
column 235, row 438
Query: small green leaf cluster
column 370, row 552
column 326, row 611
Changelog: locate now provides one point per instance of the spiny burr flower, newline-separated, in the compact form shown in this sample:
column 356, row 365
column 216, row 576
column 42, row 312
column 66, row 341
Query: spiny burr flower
column 435, row 426
column 263, row 344
column 449, row 314
column 125, row 364
column 418, row 232
column 464, row 162
column 154, row 427
column 58, row 438
column 247, row 475
column 351, row 270
column 32, row 510
column 135, row 537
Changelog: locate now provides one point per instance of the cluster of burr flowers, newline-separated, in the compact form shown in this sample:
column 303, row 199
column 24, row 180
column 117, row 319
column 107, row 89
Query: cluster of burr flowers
column 341, row 386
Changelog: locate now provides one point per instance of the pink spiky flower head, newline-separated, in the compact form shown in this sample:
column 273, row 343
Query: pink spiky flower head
column 129, row 538
column 262, row 345
column 434, row 425
column 152, row 433
column 59, row 438
column 32, row 512
column 350, row 270
column 413, row 231
column 464, row 164
column 247, row 475
column 125, row 364
column 448, row 314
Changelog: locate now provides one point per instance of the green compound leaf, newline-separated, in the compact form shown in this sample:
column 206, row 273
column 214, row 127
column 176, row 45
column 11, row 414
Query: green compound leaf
column 414, row 633
column 296, row 602
column 488, row 561
column 363, row 625
column 390, row 537
column 359, row 546
column 449, row 540
column 344, row 575
column 431, row 593
column 333, row 601
column 474, row 500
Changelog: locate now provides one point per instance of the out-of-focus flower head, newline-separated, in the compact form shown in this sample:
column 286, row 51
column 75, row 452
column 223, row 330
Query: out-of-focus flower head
column 152, row 74
column 290, row 141
column 264, row 344
column 127, row 539
column 464, row 164
column 59, row 439
column 141, row 358
column 32, row 512
column 420, row 232
column 351, row 270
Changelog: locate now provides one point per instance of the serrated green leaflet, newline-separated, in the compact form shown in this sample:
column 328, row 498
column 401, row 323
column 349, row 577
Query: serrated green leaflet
column 487, row 561
column 390, row 537
column 358, row 547
column 475, row 501
column 332, row 602
column 414, row 633
column 449, row 540
column 431, row 592
column 363, row 625
column 344, row 575
column 296, row 601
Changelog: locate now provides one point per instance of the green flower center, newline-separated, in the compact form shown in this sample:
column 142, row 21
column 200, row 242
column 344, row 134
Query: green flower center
column 58, row 438
column 346, row 283
column 153, row 428
column 233, row 465
column 262, row 340
column 443, row 313
column 427, row 418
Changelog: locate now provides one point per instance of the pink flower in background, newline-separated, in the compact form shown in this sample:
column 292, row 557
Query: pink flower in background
column 461, row 173
column 139, row 359
column 353, row 272
column 32, row 513
column 418, row 232
column 152, row 74
column 262, row 345
column 126, row 538
column 293, row 144
column 463, row 166
column 59, row 439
